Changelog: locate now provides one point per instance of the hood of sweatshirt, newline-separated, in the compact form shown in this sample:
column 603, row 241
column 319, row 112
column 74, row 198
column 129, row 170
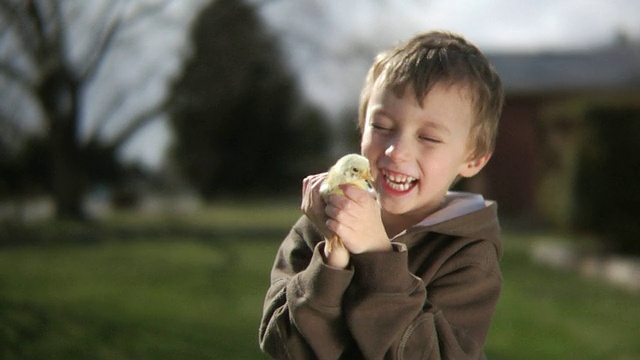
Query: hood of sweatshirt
column 464, row 215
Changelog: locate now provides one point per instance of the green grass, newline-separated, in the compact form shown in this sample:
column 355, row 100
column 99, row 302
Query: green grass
column 182, row 295
column 552, row 314
column 133, row 300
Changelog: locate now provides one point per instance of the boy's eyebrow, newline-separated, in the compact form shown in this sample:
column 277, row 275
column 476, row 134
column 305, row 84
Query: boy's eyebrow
column 378, row 109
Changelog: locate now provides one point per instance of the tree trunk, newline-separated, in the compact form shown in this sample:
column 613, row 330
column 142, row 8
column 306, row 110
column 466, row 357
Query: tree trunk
column 68, row 179
column 58, row 94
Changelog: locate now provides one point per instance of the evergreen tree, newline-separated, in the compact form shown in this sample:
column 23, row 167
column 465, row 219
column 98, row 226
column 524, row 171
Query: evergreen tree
column 236, row 113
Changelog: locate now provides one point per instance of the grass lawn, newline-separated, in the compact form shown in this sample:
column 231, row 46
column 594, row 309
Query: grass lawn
column 176, row 293
column 551, row 314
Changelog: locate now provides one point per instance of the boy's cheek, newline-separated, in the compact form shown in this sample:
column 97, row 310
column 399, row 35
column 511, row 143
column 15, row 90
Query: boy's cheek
column 366, row 144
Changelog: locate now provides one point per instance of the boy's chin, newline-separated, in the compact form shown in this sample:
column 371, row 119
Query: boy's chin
column 409, row 204
column 395, row 205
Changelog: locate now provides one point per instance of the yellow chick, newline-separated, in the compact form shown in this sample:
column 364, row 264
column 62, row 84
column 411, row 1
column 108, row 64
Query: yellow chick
column 351, row 169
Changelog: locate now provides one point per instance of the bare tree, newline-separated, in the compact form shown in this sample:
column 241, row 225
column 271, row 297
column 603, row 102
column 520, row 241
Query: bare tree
column 52, row 52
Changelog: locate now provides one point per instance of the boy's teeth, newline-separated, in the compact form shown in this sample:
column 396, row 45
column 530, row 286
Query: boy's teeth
column 399, row 187
column 399, row 178
column 399, row 182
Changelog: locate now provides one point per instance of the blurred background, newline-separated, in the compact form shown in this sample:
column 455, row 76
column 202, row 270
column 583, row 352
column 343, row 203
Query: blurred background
column 152, row 151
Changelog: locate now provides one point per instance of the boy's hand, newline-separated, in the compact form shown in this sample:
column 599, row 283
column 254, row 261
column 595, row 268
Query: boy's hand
column 312, row 203
column 356, row 219
column 314, row 207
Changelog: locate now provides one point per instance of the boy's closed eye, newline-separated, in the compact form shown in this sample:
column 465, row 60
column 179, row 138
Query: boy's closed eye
column 380, row 127
column 430, row 138
column 433, row 132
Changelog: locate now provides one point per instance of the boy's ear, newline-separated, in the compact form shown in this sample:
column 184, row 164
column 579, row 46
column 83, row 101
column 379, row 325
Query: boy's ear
column 474, row 165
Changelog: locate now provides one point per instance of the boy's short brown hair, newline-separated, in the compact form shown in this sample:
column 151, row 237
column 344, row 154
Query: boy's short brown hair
column 435, row 57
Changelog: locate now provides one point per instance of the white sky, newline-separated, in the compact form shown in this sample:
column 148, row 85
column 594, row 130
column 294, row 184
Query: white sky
column 330, row 43
column 329, row 49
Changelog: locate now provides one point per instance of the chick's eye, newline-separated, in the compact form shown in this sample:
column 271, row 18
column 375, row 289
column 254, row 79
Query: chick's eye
column 355, row 170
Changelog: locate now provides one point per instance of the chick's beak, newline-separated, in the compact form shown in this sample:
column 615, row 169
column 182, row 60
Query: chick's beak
column 367, row 175
column 369, row 178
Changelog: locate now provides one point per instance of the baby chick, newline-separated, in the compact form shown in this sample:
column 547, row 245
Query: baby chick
column 351, row 169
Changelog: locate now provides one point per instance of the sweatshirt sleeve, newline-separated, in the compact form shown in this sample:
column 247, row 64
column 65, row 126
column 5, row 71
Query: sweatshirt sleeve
column 378, row 308
column 393, row 314
column 302, row 314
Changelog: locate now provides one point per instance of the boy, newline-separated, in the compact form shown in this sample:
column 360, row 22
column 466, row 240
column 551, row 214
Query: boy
column 418, row 275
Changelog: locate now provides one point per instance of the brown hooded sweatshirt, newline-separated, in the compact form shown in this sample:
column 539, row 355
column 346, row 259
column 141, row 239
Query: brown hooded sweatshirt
column 433, row 297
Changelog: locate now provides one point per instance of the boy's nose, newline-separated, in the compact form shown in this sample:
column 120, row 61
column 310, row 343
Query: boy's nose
column 398, row 149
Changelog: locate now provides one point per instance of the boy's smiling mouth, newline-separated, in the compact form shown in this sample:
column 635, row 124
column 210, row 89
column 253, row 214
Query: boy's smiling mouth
column 398, row 182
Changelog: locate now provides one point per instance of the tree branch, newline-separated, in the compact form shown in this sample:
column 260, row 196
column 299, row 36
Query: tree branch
column 138, row 122
column 117, row 102
column 104, row 43
column 58, row 37
column 13, row 74
column 108, row 37
column 38, row 19
column 113, row 27
column 49, row 55
column 24, row 26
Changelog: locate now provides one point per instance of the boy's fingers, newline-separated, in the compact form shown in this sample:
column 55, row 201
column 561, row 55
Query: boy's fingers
column 312, row 181
column 311, row 184
column 339, row 201
column 355, row 193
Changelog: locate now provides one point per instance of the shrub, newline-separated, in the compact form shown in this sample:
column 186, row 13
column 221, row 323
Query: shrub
column 608, row 200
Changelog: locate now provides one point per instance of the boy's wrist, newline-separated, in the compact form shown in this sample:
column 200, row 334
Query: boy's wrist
column 322, row 284
column 338, row 257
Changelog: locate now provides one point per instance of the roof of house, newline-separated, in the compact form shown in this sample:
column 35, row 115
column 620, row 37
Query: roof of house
column 610, row 68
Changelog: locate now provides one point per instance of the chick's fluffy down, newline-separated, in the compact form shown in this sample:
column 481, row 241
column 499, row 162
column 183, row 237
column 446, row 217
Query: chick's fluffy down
column 351, row 169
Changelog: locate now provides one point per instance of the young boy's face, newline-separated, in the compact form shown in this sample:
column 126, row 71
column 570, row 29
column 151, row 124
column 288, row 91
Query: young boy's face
column 417, row 150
